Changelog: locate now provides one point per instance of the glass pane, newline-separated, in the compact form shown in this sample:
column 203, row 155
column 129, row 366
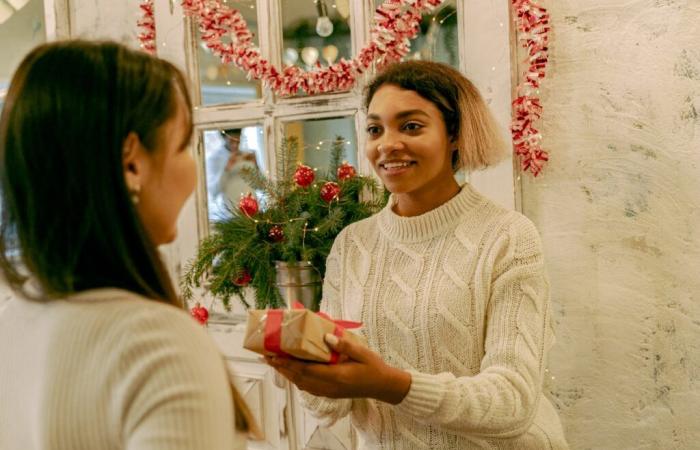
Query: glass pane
column 21, row 29
column 225, row 83
column 316, row 136
column 316, row 33
column 438, row 39
column 227, row 152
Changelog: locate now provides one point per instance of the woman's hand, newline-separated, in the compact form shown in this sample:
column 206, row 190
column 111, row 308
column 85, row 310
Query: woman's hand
column 361, row 373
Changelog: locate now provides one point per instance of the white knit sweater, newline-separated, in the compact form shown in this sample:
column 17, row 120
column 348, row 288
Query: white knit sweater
column 459, row 298
column 107, row 369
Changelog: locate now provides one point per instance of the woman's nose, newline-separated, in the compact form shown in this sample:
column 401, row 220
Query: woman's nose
column 389, row 144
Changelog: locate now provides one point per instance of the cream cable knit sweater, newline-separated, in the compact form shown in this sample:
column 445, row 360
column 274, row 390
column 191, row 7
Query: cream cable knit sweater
column 459, row 298
column 107, row 369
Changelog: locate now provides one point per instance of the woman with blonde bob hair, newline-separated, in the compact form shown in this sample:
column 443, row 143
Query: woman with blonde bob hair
column 450, row 287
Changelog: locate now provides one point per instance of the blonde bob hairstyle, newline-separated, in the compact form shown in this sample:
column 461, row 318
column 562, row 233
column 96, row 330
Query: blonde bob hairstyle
column 468, row 120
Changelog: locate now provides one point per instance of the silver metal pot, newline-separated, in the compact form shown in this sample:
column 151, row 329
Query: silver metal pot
column 299, row 282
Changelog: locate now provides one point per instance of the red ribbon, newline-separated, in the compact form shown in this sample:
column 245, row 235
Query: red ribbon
column 273, row 330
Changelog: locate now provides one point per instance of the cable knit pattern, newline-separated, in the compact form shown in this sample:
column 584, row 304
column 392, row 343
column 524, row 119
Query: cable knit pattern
column 459, row 298
column 107, row 369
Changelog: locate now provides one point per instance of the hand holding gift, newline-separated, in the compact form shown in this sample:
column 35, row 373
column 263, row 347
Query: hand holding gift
column 297, row 333
column 360, row 373
column 320, row 356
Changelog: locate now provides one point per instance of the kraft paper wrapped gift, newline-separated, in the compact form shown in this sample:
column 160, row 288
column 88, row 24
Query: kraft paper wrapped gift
column 295, row 332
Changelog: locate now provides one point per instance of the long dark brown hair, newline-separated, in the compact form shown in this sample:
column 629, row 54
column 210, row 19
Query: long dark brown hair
column 67, row 218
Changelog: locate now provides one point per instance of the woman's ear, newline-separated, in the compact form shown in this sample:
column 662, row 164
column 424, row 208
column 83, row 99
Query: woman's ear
column 133, row 162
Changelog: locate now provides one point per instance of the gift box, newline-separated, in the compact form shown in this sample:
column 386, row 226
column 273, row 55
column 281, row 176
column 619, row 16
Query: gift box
column 298, row 333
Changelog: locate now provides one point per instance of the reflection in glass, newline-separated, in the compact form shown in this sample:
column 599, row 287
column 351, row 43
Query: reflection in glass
column 316, row 136
column 316, row 33
column 227, row 152
column 438, row 38
column 225, row 83
column 21, row 29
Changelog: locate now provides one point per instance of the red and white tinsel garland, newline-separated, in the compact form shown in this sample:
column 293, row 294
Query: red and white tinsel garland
column 396, row 22
column 147, row 23
column 532, row 21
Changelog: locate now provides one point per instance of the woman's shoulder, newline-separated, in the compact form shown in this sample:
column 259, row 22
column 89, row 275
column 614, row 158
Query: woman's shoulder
column 362, row 231
column 493, row 226
column 123, row 313
column 499, row 218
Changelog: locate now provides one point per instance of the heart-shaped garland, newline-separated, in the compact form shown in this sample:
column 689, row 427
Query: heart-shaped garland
column 396, row 22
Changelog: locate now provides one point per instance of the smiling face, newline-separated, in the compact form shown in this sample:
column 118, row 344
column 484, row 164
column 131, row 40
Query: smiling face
column 410, row 149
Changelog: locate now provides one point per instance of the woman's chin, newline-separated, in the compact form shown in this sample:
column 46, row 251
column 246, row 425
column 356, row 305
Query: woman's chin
column 165, row 238
column 397, row 188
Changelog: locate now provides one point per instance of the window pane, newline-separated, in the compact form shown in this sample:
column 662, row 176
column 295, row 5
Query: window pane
column 225, row 83
column 21, row 29
column 227, row 152
column 316, row 33
column 316, row 137
column 438, row 39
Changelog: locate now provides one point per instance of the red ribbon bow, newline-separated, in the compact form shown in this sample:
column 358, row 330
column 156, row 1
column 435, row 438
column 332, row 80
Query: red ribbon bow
column 273, row 330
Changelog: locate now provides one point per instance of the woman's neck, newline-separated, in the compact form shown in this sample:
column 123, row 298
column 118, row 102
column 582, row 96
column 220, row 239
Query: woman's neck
column 416, row 203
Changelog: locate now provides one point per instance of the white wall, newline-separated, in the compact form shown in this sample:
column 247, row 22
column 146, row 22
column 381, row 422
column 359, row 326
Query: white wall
column 619, row 210
column 106, row 19
column 22, row 31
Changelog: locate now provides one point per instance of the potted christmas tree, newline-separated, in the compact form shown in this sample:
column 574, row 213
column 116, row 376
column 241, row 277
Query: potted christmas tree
column 278, row 246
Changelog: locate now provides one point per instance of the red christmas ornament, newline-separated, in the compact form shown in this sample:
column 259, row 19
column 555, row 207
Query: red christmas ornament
column 248, row 205
column 276, row 234
column 304, row 175
column 243, row 279
column 200, row 313
column 330, row 191
column 346, row 171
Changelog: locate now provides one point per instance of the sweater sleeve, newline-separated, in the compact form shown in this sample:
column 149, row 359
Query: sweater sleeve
column 502, row 399
column 326, row 410
column 173, row 387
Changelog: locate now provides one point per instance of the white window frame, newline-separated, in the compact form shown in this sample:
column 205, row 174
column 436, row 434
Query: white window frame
column 485, row 43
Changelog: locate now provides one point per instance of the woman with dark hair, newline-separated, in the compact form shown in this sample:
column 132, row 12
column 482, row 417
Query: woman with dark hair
column 450, row 287
column 95, row 351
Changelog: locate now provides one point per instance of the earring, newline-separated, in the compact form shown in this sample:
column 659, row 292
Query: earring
column 135, row 191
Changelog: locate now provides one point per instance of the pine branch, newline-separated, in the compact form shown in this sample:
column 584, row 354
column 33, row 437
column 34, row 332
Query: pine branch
column 241, row 243
column 333, row 222
column 287, row 157
column 257, row 180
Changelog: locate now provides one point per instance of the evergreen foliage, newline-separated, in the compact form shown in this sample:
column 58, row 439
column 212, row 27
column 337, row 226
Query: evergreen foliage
column 242, row 244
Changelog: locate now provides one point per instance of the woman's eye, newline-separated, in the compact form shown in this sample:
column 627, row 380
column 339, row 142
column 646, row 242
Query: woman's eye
column 412, row 126
column 372, row 130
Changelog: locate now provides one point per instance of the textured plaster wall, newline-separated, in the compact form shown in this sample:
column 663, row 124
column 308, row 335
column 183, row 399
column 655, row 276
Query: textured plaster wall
column 105, row 19
column 619, row 211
